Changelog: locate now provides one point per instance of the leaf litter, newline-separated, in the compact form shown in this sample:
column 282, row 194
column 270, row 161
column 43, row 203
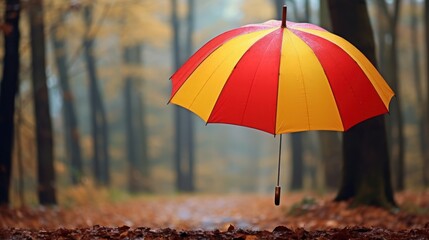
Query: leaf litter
column 247, row 216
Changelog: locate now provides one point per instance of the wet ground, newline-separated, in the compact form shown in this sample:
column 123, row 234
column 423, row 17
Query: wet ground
column 216, row 217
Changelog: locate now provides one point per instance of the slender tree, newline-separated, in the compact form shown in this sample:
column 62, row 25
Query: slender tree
column 188, row 118
column 101, row 158
column 184, row 143
column 45, row 158
column 426, row 154
column 8, row 91
column 297, row 181
column 307, row 10
column 142, row 140
column 389, row 68
column 177, row 119
column 134, row 176
column 134, row 125
column 71, row 130
column 366, row 171
column 417, row 83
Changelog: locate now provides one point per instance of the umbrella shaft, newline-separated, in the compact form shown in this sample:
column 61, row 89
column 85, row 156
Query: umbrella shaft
column 278, row 166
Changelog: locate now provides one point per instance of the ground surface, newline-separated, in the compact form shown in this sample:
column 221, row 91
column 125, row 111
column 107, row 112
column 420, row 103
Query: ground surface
column 300, row 216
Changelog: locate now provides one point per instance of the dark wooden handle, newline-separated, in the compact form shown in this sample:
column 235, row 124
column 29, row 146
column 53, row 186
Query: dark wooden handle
column 277, row 195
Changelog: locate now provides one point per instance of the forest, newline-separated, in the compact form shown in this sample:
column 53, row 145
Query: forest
column 91, row 134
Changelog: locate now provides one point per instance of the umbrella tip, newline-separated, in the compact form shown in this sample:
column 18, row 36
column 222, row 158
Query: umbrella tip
column 284, row 14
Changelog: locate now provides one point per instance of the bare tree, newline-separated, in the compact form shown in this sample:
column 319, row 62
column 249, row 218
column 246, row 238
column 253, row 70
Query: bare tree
column 184, row 143
column 71, row 130
column 135, row 126
column 100, row 136
column 45, row 154
column 8, row 91
column 426, row 153
column 297, row 180
column 420, row 109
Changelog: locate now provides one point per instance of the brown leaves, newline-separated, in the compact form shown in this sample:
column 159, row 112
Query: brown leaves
column 280, row 232
column 220, row 217
column 319, row 213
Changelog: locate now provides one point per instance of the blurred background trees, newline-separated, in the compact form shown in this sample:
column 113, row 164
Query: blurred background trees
column 8, row 91
column 100, row 71
column 43, row 124
column 184, row 147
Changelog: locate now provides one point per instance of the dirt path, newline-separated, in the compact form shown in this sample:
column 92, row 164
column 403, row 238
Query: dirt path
column 180, row 212
column 209, row 212
column 220, row 217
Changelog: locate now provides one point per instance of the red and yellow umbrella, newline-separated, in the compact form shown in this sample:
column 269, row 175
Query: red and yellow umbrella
column 281, row 77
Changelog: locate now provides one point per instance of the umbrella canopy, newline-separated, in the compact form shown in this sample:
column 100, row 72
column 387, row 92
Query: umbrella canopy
column 281, row 78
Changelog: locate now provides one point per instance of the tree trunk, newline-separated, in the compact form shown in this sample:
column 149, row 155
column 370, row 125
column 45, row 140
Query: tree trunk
column 307, row 11
column 184, row 136
column 98, row 115
column 142, row 140
column 135, row 133
column 104, row 139
column 71, row 131
column 331, row 155
column 325, row 20
column 188, row 118
column 420, row 109
column 426, row 113
column 400, row 162
column 134, row 177
column 366, row 171
column 177, row 120
column 8, row 91
column 389, row 68
column 18, row 150
column 45, row 166
column 297, row 162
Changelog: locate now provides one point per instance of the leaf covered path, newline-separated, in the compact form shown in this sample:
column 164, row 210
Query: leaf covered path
column 197, row 214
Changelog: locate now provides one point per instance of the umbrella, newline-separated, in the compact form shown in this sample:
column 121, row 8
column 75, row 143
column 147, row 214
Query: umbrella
column 281, row 77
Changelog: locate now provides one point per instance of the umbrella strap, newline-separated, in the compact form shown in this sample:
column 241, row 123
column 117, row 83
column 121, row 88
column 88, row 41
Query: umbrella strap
column 278, row 166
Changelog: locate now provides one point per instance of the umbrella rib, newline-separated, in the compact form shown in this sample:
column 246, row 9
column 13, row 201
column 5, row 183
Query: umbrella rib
column 278, row 83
